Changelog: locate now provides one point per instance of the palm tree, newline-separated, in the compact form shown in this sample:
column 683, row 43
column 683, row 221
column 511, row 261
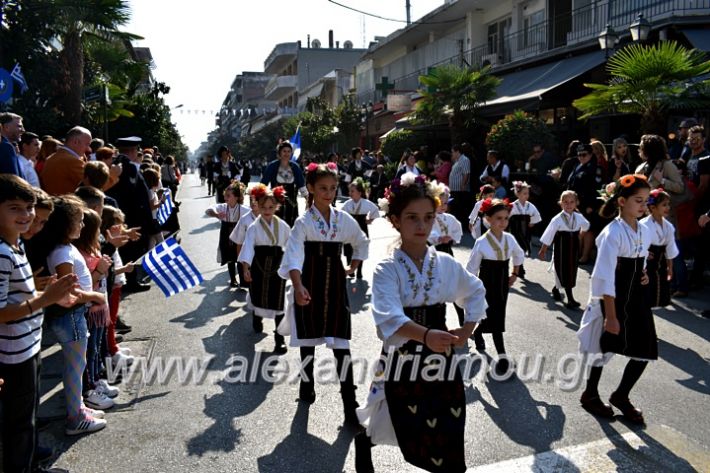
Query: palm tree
column 454, row 94
column 650, row 81
column 75, row 21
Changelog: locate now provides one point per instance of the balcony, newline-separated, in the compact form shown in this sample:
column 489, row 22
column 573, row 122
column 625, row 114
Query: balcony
column 280, row 87
column 281, row 56
column 578, row 27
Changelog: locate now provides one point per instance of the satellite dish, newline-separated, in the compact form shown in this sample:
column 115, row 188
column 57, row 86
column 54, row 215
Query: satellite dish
column 348, row 44
column 315, row 44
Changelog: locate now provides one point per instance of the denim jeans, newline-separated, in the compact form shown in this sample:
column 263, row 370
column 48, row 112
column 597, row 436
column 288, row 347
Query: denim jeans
column 20, row 400
column 93, row 356
column 680, row 269
column 69, row 327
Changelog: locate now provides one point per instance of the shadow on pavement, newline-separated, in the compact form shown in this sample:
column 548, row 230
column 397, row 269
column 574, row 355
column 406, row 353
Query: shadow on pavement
column 358, row 295
column 689, row 361
column 518, row 415
column 653, row 457
column 237, row 399
column 212, row 225
column 212, row 303
column 302, row 452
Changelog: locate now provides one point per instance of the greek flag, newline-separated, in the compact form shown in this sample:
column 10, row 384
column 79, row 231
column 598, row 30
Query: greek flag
column 166, row 208
column 20, row 78
column 296, row 143
column 170, row 268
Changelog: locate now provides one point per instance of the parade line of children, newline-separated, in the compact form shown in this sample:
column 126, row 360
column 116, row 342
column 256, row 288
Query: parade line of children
column 412, row 287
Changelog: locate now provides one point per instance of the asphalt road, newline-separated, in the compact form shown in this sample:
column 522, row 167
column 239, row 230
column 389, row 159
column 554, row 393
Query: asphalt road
column 215, row 424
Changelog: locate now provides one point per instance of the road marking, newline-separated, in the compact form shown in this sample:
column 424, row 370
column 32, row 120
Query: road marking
column 656, row 448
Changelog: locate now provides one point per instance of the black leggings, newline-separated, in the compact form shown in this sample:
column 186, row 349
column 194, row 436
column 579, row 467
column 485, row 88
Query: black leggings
column 633, row 371
column 497, row 340
column 343, row 363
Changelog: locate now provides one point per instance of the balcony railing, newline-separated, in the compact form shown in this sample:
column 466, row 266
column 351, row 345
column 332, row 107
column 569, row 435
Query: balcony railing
column 280, row 86
column 578, row 26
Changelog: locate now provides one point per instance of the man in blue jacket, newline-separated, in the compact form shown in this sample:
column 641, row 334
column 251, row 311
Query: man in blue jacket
column 10, row 130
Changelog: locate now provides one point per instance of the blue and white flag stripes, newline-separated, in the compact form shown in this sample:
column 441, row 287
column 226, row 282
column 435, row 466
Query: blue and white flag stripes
column 296, row 143
column 20, row 78
column 166, row 208
column 170, row 268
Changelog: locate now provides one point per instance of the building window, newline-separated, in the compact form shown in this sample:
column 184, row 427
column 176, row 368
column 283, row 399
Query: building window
column 497, row 41
column 534, row 29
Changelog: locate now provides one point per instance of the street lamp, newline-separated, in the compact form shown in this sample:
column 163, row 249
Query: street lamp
column 608, row 38
column 640, row 28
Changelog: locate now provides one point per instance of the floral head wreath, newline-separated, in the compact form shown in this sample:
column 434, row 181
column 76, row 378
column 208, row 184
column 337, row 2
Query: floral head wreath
column 654, row 195
column 490, row 204
column 519, row 185
column 362, row 183
column 611, row 190
column 313, row 166
column 408, row 179
column 260, row 191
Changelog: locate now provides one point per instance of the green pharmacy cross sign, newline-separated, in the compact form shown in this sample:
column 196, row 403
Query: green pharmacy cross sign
column 384, row 87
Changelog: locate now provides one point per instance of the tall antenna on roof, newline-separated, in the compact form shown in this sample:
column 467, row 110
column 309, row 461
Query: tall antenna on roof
column 362, row 27
column 408, row 6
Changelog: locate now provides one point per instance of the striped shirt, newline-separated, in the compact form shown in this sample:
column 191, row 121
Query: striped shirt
column 459, row 170
column 19, row 339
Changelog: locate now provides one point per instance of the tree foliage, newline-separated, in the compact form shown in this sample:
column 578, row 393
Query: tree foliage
column 454, row 95
column 513, row 136
column 67, row 46
column 650, row 80
column 397, row 141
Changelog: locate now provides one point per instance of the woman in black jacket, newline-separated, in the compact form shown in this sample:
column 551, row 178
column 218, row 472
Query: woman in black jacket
column 585, row 179
column 225, row 171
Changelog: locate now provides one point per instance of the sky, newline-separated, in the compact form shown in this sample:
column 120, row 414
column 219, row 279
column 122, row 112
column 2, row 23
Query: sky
column 199, row 46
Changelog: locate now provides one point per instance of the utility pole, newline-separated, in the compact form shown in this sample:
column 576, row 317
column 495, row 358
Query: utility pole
column 409, row 12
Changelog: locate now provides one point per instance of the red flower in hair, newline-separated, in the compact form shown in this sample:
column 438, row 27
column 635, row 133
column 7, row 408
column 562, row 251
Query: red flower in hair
column 486, row 205
column 507, row 203
column 258, row 191
column 332, row 166
column 311, row 167
column 280, row 193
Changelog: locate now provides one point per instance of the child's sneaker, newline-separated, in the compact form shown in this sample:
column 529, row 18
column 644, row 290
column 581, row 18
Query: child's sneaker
column 95, row 413
column 97, row 400
column 103, row 387
column 126, row 351
column 120, row 359
column 85, row 426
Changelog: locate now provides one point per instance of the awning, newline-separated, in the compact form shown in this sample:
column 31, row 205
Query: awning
column 312, row 92
column 524, row 89
column 700, row 39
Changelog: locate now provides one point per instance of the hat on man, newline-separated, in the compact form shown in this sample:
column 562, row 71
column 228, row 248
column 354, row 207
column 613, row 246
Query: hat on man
column 584, row 148
column 688, row 123
column 128, row 142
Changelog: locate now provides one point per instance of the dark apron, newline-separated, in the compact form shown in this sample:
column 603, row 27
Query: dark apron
column 566, row 257
column 328, row 313
column 348, row 248
column 519, row 226
column 637, row 337
column 659, row 287
column 428, row 417
column 288, row 212
column 227, row 248
column 445, row 248
column 267, row 288
column 494, row 276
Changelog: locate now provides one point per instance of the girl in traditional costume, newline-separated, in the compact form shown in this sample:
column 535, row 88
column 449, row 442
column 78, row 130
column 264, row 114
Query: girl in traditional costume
column 261, row 255
column 564, row 232
column 523, row 217
column 623, row 323
column 362, row 210
column 421, row 411
column 318, row 310
column 490, row 261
